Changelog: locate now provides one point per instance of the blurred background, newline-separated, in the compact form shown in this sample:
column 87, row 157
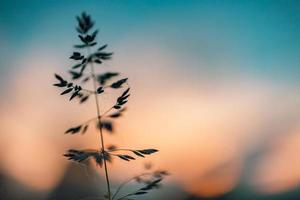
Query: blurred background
column 215, row 87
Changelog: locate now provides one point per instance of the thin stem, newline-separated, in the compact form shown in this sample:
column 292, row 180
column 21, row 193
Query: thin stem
column 125, row 196
column 129, row 194
column 90, row 120
column 103, row 115
column 120, row 150
column 88, row 91
column 100, row 128
column 113, row 154
column 127, row 181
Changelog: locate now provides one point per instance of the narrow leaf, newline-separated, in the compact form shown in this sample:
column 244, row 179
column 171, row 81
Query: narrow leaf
column 140, row 193
column 74, row 94
column 100, row 90
column 138, row 154
column 85, row 128
column 74, row 130
column 148, row 151
column 58, row 77
column 66, row 91
column 119, row 83
column 102, row 47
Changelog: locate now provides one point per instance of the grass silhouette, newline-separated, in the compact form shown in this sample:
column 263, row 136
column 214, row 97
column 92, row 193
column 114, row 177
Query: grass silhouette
column 95, row 55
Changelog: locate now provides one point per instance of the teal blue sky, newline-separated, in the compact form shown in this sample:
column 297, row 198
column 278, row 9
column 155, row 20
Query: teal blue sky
column 257, row 37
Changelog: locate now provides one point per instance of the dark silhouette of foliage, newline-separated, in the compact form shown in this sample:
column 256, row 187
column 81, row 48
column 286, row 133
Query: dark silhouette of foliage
column 86, row 56
column 103, row 78
column 149, row 179
column 119, row 83
column 107, row 125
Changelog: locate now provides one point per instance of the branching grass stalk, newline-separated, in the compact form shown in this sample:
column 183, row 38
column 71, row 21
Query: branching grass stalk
column 102, row 82
column 127, row 181
column 100, row 127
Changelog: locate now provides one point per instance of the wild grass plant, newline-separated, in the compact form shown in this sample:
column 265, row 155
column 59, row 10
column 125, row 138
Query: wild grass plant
column 88, row 58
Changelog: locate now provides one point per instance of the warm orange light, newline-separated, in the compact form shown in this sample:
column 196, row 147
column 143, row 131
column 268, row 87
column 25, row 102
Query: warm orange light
column 279, row 170
column 202, row 130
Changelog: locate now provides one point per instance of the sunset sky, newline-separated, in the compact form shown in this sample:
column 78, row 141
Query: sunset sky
column 215, row 87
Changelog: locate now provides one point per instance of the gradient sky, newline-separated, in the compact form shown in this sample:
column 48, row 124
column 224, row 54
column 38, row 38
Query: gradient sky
column 257, row 37
column 219, row 77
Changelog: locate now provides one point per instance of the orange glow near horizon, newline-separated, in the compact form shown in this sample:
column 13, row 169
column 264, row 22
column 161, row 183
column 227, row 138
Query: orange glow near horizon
column 280, row 170
column 202, row 133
